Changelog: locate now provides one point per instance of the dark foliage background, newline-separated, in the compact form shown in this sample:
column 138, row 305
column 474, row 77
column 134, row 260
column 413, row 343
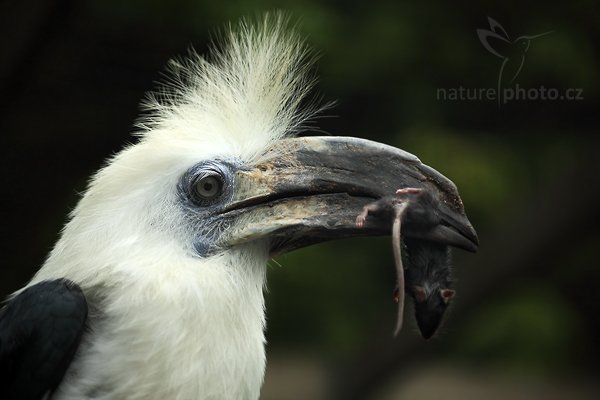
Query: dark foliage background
column 525, row 323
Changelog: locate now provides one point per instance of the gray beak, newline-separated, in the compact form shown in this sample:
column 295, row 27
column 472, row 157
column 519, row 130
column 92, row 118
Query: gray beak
column 309, row 190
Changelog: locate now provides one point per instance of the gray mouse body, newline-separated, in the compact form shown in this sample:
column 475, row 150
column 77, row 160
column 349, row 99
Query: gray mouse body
column 427, row 276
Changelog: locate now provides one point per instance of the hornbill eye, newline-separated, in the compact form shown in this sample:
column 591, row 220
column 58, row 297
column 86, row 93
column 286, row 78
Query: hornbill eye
column 206, row 187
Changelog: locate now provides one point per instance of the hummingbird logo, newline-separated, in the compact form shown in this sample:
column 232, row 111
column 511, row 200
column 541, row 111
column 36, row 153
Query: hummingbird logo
column 512, row 52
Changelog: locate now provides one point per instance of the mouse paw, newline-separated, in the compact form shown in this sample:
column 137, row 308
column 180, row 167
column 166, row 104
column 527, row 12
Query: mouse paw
column 408, row 191
column 360, row 220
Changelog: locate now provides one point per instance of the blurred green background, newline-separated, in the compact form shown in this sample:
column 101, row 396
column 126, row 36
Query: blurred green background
column 525, row 322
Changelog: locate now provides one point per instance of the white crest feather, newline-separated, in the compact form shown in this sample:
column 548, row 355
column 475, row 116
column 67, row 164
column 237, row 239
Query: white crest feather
column 248, row 93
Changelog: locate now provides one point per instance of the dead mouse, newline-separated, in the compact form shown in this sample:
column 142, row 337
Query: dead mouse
column 428, row 264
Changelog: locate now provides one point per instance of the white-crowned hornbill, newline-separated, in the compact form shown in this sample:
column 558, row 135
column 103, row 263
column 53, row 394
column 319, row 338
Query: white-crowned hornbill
column 155, row 287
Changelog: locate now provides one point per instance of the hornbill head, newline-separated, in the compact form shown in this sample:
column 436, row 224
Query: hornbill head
column 218, row 168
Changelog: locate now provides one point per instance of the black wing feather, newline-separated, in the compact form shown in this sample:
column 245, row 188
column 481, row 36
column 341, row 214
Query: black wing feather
column 40, row 330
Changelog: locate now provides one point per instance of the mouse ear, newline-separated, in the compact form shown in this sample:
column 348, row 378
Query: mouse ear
column 447, row 295
column 419, row 292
